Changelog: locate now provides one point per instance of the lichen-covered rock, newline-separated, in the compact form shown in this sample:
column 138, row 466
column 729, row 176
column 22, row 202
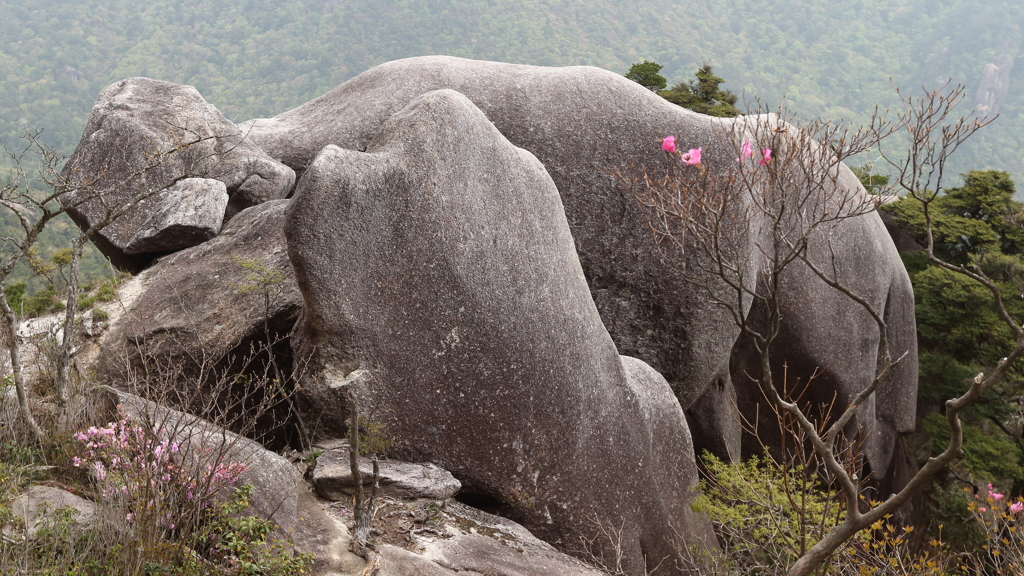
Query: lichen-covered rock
column 440, row 284
column 210, row 304
column 143, row 136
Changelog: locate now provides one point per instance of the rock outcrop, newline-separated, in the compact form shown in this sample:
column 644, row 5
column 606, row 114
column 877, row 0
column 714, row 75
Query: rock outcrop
column 593, row 130
column 144, row 137
column 649, row 298
column 211, row 306
column 441, row 286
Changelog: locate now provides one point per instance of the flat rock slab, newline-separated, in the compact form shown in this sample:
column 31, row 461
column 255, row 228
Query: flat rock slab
column 332, row 478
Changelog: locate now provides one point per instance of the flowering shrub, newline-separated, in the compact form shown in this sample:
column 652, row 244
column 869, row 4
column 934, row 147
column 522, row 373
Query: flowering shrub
column 692, row 157
column 1000, row 518
column 143, row 473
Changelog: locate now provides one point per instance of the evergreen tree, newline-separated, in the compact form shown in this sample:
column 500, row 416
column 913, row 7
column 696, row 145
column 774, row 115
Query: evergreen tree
column 703, row 95
column 646, row 74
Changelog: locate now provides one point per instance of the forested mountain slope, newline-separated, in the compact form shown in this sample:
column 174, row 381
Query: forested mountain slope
column 259, row 57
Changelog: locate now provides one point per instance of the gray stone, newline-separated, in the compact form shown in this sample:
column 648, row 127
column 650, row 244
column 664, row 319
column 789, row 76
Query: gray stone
column 486, row 544
column 440, row 282
column 317, row 532
column 143, row 136
column 822, row 333
column 332, row 478
column 190, row 212
column 639, row 286
column 651, row 307
column 201, row 309
column 37, row 505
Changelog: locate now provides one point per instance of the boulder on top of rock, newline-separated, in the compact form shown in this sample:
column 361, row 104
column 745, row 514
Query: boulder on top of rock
column 143, row 136
column 441, row 286
column 593, row 147
column 211, row 308
column 190, row 212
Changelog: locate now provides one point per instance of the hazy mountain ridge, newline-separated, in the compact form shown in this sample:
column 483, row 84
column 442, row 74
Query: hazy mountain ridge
column 260, row 57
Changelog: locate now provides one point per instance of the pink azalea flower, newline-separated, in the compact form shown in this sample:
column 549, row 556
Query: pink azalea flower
column 668, row 144
column 996, row 495
column 692, row 158
column 982, row 509
column 766, row 156
column 746, row 150
column 1016, row 507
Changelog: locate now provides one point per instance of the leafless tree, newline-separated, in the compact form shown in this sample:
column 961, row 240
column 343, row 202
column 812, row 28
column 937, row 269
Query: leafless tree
column 793, row 205
column 39, row 190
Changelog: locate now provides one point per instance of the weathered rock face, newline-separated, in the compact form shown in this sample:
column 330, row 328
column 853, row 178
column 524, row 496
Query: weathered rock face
column 645, row 299
column 200, row 307
column 440, row 283
column 826, row 337
column 584, row 125
column 144, row 135
column 190, row 212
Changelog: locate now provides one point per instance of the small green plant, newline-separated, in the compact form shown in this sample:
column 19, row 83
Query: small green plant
column 239, row 544
column 766, row 515
column 373, row 438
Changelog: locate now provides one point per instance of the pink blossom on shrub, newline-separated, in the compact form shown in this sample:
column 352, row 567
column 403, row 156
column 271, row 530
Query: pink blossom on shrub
column 692, row 158
column 746, row 150
column 143, row 472
column 668, row 144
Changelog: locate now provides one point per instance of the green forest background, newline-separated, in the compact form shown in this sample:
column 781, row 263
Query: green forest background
column 255, row 58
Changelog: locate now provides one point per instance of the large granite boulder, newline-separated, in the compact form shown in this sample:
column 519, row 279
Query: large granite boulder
column 210, row 306
column 592, row 130
column 441, row 286
column 595, row 132
column 143, row 139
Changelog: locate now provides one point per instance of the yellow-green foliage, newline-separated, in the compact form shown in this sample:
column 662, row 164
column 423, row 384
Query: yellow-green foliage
column 767, row 515
column 765, row 512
